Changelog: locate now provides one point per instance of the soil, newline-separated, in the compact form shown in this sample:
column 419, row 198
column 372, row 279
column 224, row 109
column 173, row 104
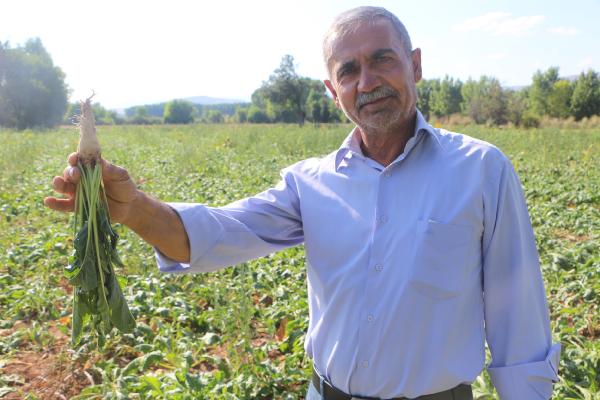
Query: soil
column 46, row 373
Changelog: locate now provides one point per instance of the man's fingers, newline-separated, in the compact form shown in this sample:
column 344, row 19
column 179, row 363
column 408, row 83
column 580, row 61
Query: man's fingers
column 65, row 184
column 63, row 205
column 72, row 159
column 62, row 186
column 71, row 174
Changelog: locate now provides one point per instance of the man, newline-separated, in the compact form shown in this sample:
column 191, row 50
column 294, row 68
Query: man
column 418, row 240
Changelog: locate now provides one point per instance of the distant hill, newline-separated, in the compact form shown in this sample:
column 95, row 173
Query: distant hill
column 570, row 78
column 212, row 100
column 201, row 103
column 156, row 108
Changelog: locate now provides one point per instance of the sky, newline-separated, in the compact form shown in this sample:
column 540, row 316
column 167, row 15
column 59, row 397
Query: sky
column 132, row 52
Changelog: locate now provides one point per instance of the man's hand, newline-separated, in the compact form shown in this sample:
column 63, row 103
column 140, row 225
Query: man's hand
column 154, row 221
column 120, row 190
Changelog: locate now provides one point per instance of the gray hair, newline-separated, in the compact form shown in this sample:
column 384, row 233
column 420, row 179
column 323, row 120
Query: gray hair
column 348, row 21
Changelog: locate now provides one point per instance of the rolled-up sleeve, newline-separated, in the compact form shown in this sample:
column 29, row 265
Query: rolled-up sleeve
column 524, row 361
column 241, row 231
column 531, row 380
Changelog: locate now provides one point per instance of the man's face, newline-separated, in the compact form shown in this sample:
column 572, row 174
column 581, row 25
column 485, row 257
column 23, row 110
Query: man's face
column 373, row 79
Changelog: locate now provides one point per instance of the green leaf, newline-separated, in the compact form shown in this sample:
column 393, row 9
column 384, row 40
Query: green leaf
column 151, row 359
column 194, row 382
column 81, row 314
column 210, row 338
column 120, row 315
column 151, row 381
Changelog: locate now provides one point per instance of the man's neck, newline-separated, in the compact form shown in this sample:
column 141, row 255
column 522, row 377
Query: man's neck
column 385, row 146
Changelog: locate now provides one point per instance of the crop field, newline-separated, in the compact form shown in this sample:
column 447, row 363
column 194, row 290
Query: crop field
column 238, row 333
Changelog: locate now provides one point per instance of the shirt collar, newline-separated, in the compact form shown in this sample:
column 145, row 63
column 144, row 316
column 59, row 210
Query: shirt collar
column 351, row 145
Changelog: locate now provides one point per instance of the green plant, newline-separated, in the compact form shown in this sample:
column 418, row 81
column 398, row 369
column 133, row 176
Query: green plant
column 98, row 298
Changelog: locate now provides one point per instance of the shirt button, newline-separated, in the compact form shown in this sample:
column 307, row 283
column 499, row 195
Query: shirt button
column 387, row 174
column 370, row 318
column 365, row 364
column 378, row 267
column 383, row 219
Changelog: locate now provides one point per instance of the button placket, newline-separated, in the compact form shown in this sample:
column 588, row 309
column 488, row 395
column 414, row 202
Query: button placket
column 368, row 325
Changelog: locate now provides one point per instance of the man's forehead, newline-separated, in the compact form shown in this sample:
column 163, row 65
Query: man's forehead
column 365, row 40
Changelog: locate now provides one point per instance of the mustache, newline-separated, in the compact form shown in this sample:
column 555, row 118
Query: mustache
column 379, row 93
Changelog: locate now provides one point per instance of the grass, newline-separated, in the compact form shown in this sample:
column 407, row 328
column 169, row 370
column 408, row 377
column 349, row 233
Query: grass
column 238, row 333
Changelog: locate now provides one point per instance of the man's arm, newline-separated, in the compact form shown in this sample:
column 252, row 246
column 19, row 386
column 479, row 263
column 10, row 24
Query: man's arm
column 191, row 237
column 524, row 360
column 159, row 225
column 153, row 220
column 240, row 231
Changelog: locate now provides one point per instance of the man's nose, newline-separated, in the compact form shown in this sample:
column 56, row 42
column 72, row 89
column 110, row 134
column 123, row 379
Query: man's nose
column 368, row 81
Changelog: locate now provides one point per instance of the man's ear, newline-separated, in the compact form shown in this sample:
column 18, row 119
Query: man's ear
column 416, row 63
column 329, row 85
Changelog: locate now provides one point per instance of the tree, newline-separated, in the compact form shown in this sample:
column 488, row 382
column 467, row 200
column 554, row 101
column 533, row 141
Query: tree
column 241, row 115
column 33, row 92
column 326, row 106
column 214, row 117
column 446, row 97
column 541, row 90
column 287, row 91
column 102, row 116
column 484, row 100
column 5, row 115
column 317, row 103
column 73, row 110
column 289, row 97
column 314, row 108
column 178, row 112
column 516, row 105
column 425, row 89
column 585, row 101
column 495, row 104
column 141, row 116
column 558, row 102
column 262, row 103
column 257, row 115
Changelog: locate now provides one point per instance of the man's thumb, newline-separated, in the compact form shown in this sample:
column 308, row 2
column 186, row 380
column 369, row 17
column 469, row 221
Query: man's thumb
column 113, row 172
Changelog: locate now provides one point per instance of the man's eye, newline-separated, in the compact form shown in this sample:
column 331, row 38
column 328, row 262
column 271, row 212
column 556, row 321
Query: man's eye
column 345, row 71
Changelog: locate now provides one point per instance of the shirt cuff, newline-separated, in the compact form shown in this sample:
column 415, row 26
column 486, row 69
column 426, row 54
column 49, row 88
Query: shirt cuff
column 166, row 264
column 201, row 230
column 528, row 381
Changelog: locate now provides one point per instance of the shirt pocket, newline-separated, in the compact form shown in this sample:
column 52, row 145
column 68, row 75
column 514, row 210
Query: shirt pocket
column 440, row 259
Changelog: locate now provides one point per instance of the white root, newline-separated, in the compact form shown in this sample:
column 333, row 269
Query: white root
column 89, row 147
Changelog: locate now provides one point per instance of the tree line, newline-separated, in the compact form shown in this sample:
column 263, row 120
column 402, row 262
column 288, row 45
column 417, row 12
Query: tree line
column 173, row 112
column 33, row 93
column 486, row 101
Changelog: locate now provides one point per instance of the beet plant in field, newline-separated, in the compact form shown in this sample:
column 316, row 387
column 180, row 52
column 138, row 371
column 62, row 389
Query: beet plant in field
column 97, row 299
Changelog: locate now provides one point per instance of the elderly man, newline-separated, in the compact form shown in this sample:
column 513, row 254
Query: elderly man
column 418, row 240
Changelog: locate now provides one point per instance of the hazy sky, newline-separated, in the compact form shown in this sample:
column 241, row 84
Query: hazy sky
column 140, row 52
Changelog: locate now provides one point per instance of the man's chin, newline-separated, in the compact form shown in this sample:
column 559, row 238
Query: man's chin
column 380, row 120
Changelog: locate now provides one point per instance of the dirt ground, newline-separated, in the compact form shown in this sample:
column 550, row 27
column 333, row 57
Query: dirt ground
column 46, row 373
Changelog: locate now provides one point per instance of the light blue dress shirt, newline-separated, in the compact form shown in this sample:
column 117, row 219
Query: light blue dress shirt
column 411, row 267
